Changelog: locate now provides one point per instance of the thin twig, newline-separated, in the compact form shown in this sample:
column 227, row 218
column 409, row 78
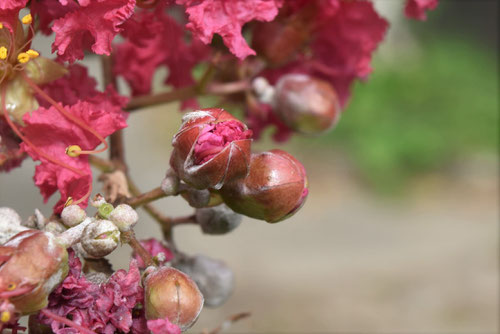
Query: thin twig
column 105, row 166
column 185, row 93
column 147, row 197
column 129, row 238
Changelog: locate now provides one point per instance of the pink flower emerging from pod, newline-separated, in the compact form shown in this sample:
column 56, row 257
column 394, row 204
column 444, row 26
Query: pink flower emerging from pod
column 32, row 264
column 306, row 104
column 169, row 293
column 275, row 188
column 211, row 148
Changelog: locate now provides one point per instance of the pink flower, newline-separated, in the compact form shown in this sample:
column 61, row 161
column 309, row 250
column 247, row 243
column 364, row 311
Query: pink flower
column 163, row 326
column 49, row 10
column 11, row 155
column 264, row 118
column 91, row 27
column 144, row 51
column 415, row 9
column 51, row 132
column 12, row 4
column 104, row 308
column 226, row 18
column 154, row 247
column 71, row 88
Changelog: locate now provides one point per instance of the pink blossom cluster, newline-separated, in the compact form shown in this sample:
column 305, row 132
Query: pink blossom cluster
column 286, row 64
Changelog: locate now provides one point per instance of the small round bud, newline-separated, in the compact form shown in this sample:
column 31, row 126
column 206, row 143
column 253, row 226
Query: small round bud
column 214, row 279
column 197, row 198
column 275, row 188
column 170, row 184
column 9, row 216
column 105, row 210
column 169, row 293
column 73, row 215
column 54, row 227
column 124, row 217
column 218, row 219
column 306, row 104
column 100, row 238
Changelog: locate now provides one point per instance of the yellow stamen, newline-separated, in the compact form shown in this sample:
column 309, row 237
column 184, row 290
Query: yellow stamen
column 27, row 19
column 1, row 25
column 73, row 151
column 32, row 53
column 3, row 52
column 11, row 286
column 69, row 201
column 23, row 57
column 5, row 317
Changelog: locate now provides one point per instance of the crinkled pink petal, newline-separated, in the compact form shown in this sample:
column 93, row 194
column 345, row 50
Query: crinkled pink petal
column 76, row 85
column 52, row 133
column 49, row 10
column 144, row 51
column 226, row 18
column 154, row 247
column 163, row 326
column 416, row 9
column 214, row 138
column 91, row 27
column 12, row 4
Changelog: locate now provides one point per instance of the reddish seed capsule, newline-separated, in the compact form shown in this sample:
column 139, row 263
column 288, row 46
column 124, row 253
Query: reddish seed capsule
column 211, row 148
column 275, row 188
column 169, row 293
column 306, row 104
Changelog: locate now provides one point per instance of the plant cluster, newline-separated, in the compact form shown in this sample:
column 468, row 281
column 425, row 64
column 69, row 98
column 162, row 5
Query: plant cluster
column 286, row 63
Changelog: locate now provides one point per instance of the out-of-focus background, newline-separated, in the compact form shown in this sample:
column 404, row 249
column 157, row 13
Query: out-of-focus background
column 400, row 231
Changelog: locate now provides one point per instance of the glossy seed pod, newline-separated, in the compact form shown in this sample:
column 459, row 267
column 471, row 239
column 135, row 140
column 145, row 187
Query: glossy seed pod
column 275, row 188
column 210, row 149
column 306, row 104
column 169, row 293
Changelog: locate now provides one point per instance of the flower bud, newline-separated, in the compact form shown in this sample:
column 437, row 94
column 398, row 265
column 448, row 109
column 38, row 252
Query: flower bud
column 218, row 219
column 54, row 227
column 275, row 188
column 124, row 217
column 73, row 215
column 210, row 149
column 306, row 104
column 170, row 184
column 32, row 264
column 169, row 293
column 214, row 279
column 100, row 238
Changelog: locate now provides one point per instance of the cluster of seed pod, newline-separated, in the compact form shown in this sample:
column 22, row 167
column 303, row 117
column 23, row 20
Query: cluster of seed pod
column 212, row 154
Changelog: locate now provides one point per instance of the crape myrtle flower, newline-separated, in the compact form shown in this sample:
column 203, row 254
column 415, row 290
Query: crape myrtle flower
column 143, row 51
column 211, row 148
column 226, row 18
column 275, row 188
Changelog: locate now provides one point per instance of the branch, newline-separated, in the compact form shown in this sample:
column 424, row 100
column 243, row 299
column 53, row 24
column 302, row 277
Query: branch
column 147, row 197
column 185, row 93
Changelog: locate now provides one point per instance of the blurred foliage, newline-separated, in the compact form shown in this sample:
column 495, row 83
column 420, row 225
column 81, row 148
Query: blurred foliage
column 420, row 113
